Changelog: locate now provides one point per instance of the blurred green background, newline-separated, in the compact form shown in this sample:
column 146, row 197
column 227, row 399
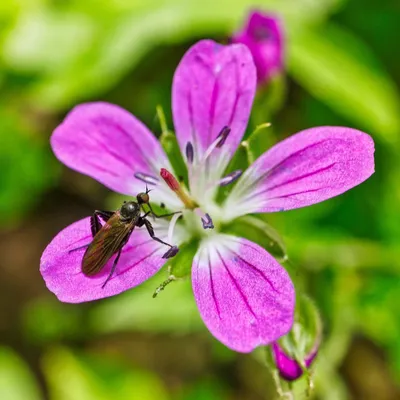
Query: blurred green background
column 343, row 68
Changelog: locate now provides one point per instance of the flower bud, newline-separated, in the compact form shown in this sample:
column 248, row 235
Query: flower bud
column 294, row 353
column 263, row 35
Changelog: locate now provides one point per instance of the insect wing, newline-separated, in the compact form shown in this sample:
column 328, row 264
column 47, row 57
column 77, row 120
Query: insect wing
column 108, row 241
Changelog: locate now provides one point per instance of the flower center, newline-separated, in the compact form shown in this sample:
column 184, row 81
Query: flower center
column 204, row 171
column 184, row 196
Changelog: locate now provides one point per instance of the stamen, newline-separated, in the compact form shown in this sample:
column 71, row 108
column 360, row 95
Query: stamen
column 205, row 219
column 171, row 227
column 175, row 186
column 207, row 222
column 223, row 135
column 232, row 177
column 218, row 142
column 189, row 152
column 150, row 179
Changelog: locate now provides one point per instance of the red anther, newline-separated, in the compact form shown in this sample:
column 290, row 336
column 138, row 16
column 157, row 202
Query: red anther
column 170, row 179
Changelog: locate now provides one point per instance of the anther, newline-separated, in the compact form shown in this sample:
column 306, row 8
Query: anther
column 189, row 152
column 223, row 135
column 218, row 142
column 207, row 222
column 150, row 179
column 232, row 177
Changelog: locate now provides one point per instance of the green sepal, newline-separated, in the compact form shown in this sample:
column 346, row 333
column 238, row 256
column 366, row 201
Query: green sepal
column 259, row 232
column 305, row 335
column 180, row 266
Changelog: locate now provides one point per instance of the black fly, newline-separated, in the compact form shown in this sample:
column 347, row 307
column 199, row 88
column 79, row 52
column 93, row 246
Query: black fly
column 110, row 238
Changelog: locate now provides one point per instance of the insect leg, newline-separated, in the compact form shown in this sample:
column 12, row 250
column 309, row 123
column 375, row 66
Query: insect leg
column 162, row 215
column 173, row 249
column 78, row 248
column 95, row 225
column 112, row 269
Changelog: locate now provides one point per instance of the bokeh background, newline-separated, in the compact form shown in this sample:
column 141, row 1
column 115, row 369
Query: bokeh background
column 343, row 68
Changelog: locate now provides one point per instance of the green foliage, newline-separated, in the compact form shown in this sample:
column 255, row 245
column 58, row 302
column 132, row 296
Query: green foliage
column 340, row 70
column 74, row 376
column 172, row 310
column 26, row 167
column 16, row 380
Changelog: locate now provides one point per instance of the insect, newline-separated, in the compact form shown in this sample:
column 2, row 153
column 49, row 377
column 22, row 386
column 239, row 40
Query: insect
column 110, row 238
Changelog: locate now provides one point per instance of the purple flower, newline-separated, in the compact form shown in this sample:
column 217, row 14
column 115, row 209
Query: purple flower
column 245, row 297
column 263, row 35
column 288, row 367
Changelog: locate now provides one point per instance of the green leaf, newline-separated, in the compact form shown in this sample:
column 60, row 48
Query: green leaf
column 26, row 167
column 174, row 309
column 97, row 43
column 47, row 320
column 341, row 71
column 81, row 377
column 16, row 380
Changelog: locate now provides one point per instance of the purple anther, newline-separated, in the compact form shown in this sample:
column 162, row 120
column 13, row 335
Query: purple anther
column 189, row 152
column 150, row 179
column 207, row 222
column 225, row 131
column 232, row 177
column 173, row 251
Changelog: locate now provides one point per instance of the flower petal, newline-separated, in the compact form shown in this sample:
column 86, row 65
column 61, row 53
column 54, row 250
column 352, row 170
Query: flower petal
column 307, row 168
column 244, row 296
column 213, row 87
column 263, row 35
column 109, row 144
column 141, row 258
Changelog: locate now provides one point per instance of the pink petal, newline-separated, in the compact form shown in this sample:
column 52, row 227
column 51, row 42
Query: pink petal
column 263, row 35
column 109, row 144
column 140, row 259
column 307, row 168
column 213, row 87
column 244, row 296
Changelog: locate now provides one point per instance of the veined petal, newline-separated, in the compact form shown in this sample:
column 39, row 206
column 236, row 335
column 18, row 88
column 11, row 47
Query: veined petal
column 244, row 296
column 60, row 267
column 213, row 88
column 307, row 168
column 109, row 144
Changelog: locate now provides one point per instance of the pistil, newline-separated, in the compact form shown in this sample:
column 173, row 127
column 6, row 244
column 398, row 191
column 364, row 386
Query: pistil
column 176, row 187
